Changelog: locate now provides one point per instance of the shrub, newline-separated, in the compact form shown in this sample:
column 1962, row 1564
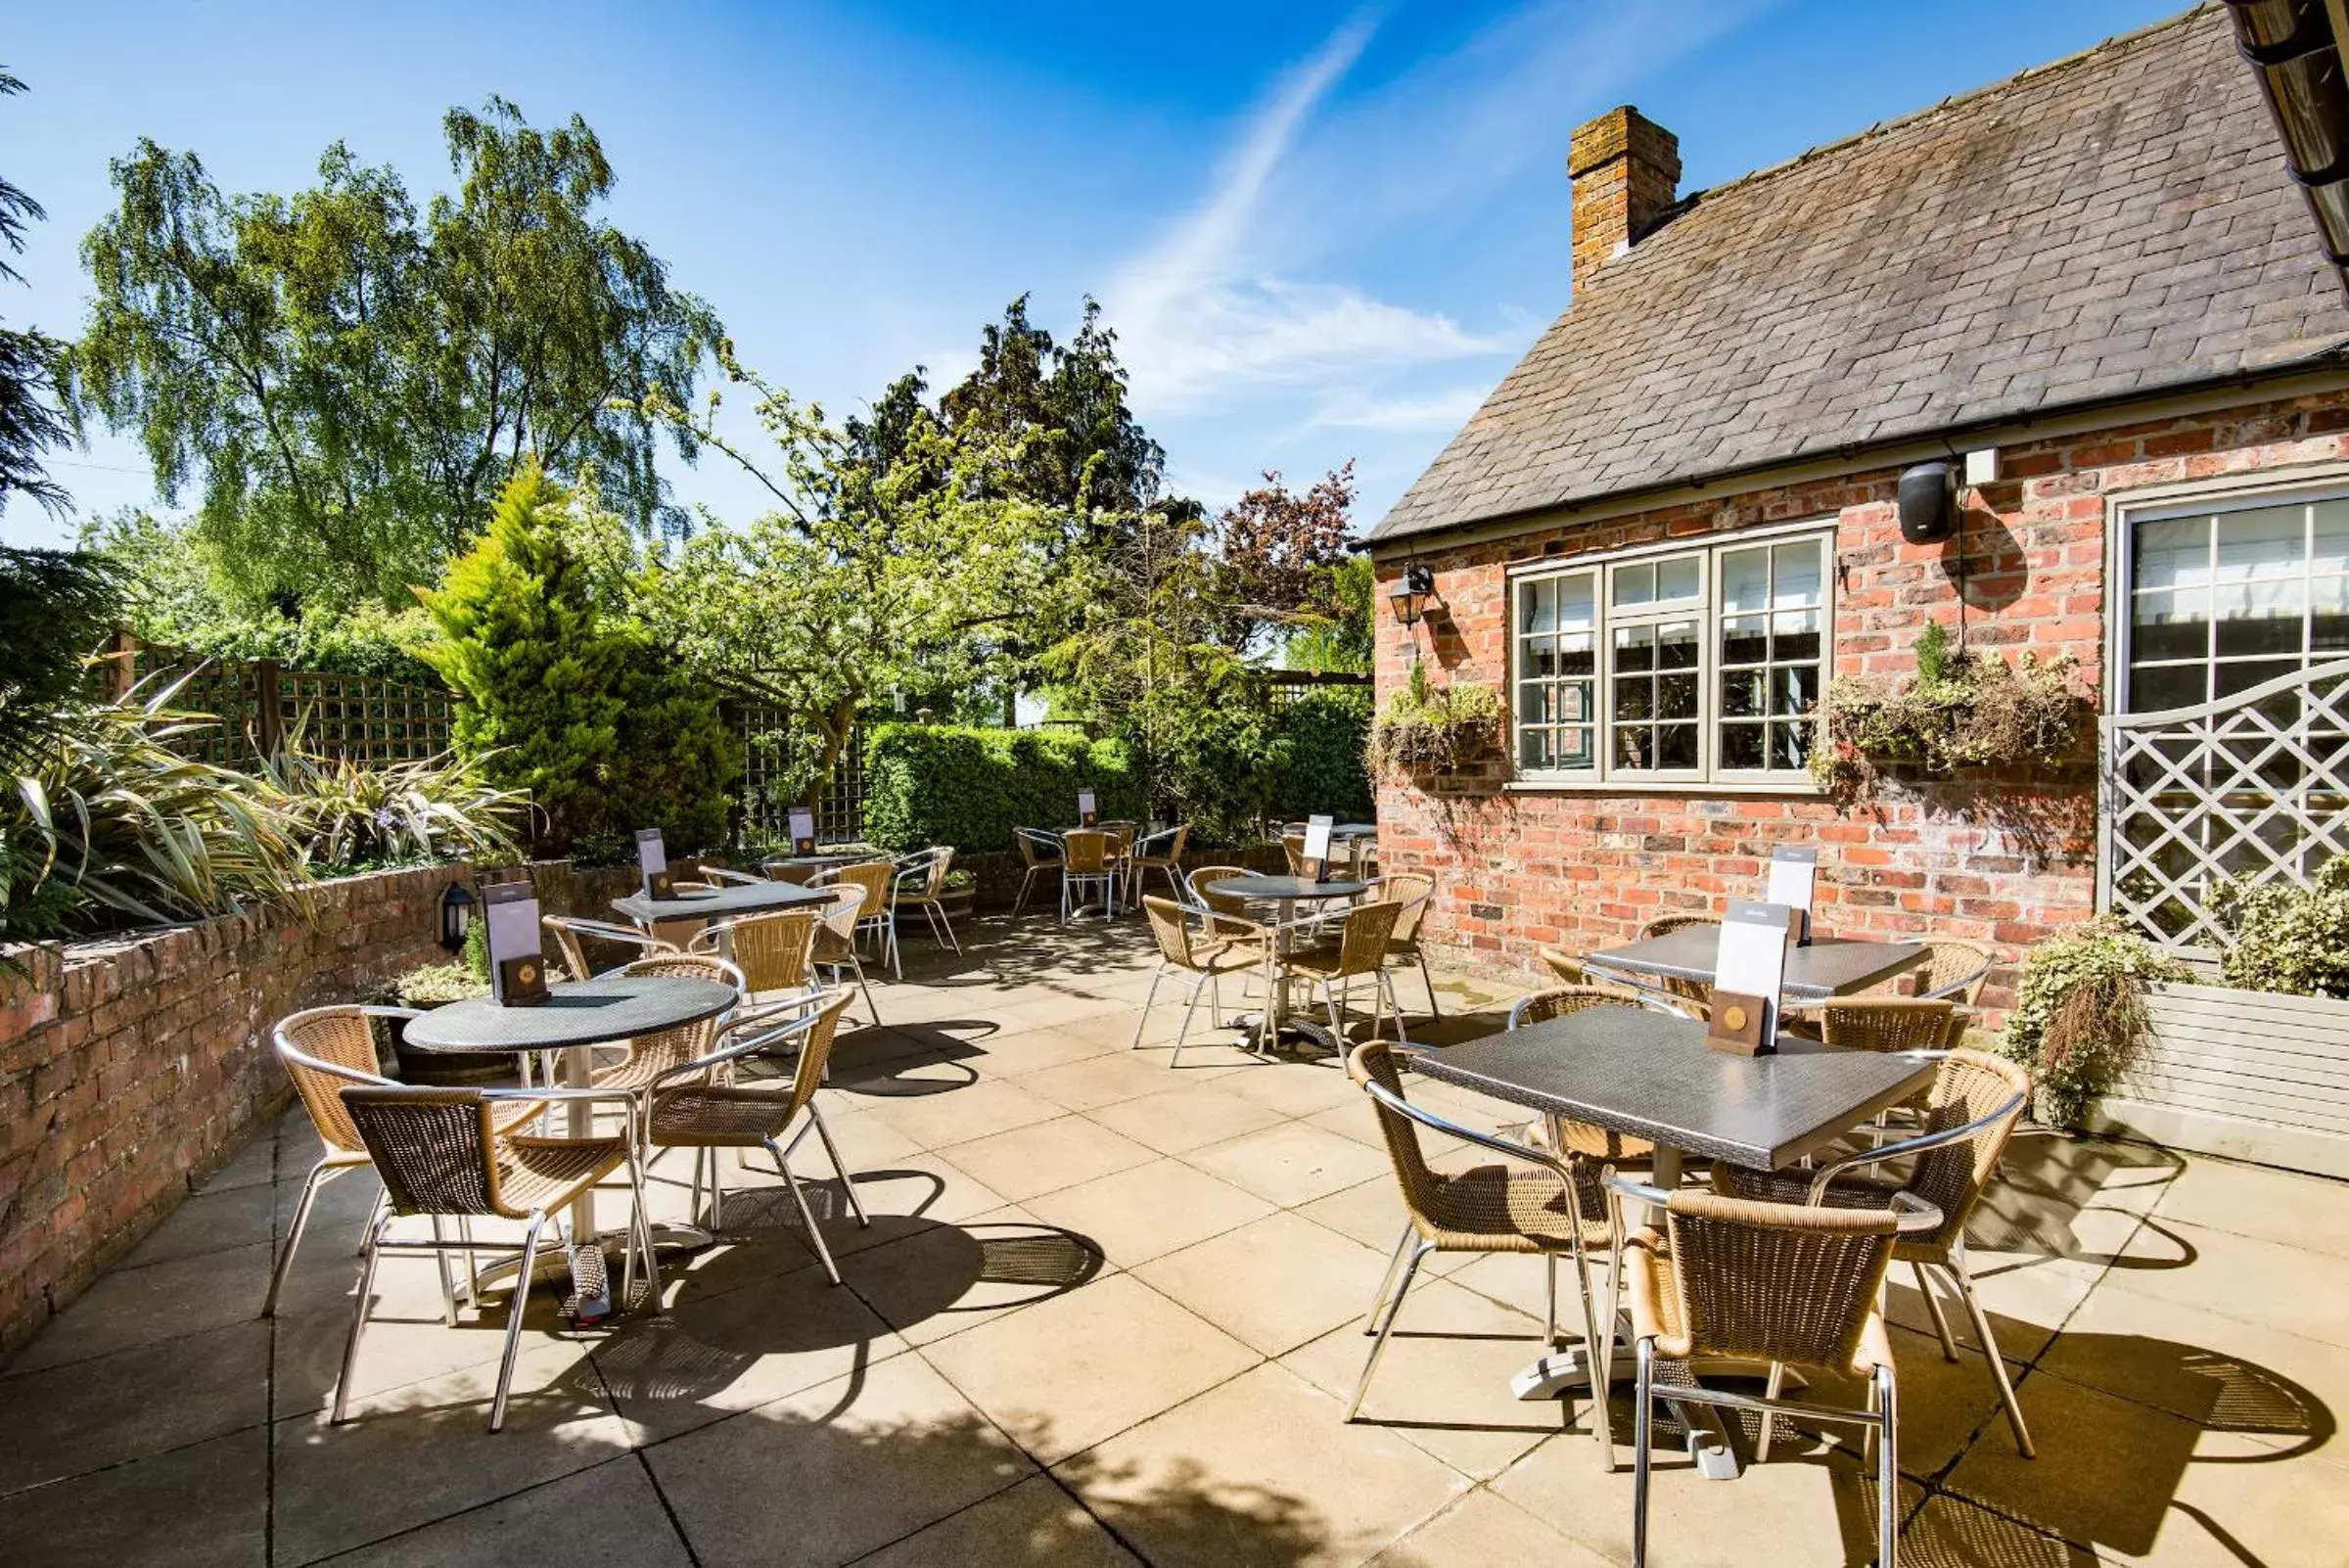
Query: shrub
column 969, row 787
column 2080, row 1012
column 2286, row 938
column 1327, row 738
column 351, row 815
column 56, row 608
column 569, row 697
column 1427, row 729
column 108, row 824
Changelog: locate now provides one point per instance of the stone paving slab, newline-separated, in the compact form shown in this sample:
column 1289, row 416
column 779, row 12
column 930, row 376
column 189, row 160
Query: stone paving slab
column 1107, row 1313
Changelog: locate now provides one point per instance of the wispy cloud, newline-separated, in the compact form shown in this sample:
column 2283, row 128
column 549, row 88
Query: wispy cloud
column 1444, row 410
column 1235, row 298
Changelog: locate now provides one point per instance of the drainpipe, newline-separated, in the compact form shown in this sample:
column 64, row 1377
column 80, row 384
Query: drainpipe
column 2295, row 49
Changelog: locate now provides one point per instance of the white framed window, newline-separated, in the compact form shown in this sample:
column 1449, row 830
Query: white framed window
column 2224, row 596
column 1670, row 665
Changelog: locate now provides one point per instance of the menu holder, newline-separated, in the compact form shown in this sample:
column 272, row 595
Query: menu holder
column 652, row 864
column 1088, row 811
column 517, row 966
column 1748, row 972
column 1317, row 844
column 803, row 831
column 1795, row 883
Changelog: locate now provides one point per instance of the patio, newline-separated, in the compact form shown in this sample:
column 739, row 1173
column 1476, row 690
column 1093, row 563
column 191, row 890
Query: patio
column 1108, row 1311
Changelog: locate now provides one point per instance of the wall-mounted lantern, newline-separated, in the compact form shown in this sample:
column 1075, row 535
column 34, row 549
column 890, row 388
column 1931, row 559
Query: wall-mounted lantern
column 456, row 916
column 1414, row 595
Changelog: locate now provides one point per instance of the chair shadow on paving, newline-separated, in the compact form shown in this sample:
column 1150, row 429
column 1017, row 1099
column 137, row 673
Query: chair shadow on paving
column 881, row 1063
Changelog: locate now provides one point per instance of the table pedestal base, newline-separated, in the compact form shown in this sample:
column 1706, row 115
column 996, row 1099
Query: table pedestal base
column 1568, row 1371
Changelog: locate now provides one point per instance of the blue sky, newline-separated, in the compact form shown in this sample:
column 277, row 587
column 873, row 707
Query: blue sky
column 1321, row 231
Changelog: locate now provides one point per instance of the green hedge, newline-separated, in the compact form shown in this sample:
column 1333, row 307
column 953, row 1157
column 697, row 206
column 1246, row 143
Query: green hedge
column 1325, row 735
column 969, row 787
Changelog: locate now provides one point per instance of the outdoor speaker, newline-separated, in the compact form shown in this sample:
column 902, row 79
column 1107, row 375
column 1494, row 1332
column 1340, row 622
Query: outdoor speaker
column 1928, row 503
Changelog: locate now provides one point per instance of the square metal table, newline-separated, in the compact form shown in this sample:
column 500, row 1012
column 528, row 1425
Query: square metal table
column 1826, row 967
column 1650, row 1074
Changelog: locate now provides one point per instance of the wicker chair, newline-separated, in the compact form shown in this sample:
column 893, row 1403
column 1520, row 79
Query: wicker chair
column 1086, row 863
column 920, row 883
column 1194, row 950
column 875, row 878
column 1780, row 1284
column 836, row 940
column 1160, row 852
column 1666, row 925
column 1953, row 971
column 443, row 1152
column 1585, row 1139
column 1359, row 948
column 1570, row 970
column 651, row 1057
column 1292, row 845
column 740, row 879
column 1888, row 1023
column 1232, row 920
column 775, row 951
column 1558, row 1208
column 1412, row 889
column 572, row 934
column 324, row 1050
column 1040, row 856
column 1973, row 1110
column 691, row 1108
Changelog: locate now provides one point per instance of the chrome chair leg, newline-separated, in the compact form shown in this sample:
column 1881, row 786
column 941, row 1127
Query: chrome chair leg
column 816, row 1237
column 1642, row 1427
column 1888, row 1470
column 302, row 1218
column 1141, row 1020
column 1990, row 1352
column 514, row 1309
column 1941, row 1323
column 848, row 1184
column 358, row 1319
column 1378, row 1302
column 1378, row 1345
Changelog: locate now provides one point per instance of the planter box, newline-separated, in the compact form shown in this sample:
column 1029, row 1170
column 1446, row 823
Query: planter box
column 2249, row 1075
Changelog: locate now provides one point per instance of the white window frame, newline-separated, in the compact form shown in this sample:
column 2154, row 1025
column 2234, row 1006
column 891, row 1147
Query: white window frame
column 1705, row 605
column 2234, row 493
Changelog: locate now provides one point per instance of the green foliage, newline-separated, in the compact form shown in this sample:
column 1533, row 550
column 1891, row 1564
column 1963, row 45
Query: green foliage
column 1426, row 729
column 354, row 816
column 28, row 423
column 108, row 824
column 899, row 559
column 2286, row 938
column 57, row 608
column 429, row 986
column 1325, row 736
column 347, row 384
column 567, row 690
column 1345, row 641
column 970, row 787
column 2080, row 1012
column 176, row 596
column 1960, row 711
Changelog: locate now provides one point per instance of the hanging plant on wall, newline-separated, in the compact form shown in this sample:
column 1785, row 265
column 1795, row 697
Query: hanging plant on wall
column 1960, row 712
column 1428, row 730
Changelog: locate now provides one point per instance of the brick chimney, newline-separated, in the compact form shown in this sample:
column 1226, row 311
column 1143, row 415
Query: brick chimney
column 1626, row 173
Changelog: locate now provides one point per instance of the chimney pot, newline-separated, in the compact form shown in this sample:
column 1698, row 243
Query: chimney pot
column 1626, row 171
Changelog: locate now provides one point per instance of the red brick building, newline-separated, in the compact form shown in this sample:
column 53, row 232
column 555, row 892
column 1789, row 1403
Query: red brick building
column 1675, row 519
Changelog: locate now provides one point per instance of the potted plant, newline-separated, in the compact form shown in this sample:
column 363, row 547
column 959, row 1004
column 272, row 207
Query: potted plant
column 1961, row 711
column 2080, row 1015
column 1427, row 730
column 429, row 986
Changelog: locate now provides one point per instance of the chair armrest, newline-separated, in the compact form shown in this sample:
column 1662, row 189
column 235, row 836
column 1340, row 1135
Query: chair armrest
column 1451, row 1129
column 1915, row 1145
column 723, row 874
column 759, row 1041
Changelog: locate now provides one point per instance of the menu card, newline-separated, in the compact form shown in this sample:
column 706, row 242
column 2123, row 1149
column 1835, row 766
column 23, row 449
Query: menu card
column 802, row 830
column 517, row 970
column 1748, row 972
column 1086, row 812
column 1793, row 882
column 1317, row 844
column 652, row 861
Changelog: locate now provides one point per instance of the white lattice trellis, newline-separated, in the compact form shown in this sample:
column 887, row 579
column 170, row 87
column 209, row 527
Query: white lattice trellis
column 2250, row 788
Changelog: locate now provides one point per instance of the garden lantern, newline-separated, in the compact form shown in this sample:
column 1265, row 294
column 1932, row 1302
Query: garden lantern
column 456, row 916
column 1414, row 594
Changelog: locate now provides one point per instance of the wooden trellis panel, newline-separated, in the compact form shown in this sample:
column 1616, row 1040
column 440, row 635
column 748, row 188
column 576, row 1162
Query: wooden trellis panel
column 258, row 704
column 2251, row 788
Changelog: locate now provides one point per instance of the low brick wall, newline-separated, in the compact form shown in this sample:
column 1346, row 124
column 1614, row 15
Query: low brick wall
column 131, row 1068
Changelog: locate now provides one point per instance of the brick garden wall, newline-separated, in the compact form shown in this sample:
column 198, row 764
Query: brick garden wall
column 131, row 1068
column 2003, row 858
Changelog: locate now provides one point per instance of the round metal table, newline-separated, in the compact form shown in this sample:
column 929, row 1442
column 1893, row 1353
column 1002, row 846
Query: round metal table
column 1287, row 893
column 719, row 903
column 574, row 1019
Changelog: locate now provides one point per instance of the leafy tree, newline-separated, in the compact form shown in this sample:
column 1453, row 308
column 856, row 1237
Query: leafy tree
column 347, row 384
column 1276, row 550
column 1344, row 643
column 568, row 695
column 896, row 562
column 1063, row 407
column 28, row 423
column 56, row 608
